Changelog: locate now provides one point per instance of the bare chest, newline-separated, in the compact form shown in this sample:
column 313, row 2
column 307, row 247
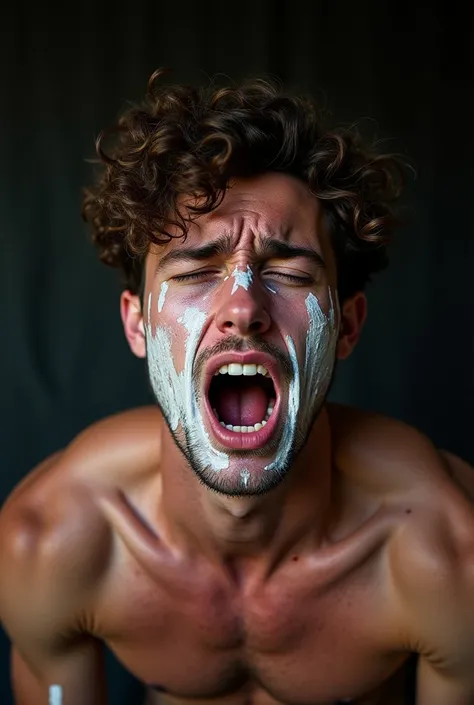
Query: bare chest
column 292, row 639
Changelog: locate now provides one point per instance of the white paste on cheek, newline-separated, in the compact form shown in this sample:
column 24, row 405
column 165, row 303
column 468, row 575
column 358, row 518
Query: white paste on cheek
column 175, row 391
column 321, row 341
column 243, row 279
column 161, row 300
column 289, row 429
column 270, row 289
column 55, row 695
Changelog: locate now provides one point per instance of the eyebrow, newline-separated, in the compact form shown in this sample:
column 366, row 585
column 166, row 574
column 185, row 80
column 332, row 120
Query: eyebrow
column 268, row 247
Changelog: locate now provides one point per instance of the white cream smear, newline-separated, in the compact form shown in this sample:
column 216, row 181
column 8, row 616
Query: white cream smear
column 176, row 393
column 161, row 300
column 245, row 475
column 55, row 695
column 175, row 390
column 243, row 279
column 321, row 341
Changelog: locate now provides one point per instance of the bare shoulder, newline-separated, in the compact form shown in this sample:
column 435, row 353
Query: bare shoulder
column 431, row 559
column 384, row 453
column 108, row 451
column 430, row 553
column 55, row 541
column 124, row 445
column 402, row 468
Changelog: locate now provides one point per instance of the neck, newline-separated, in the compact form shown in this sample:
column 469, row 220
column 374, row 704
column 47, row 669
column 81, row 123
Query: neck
column 255, row 530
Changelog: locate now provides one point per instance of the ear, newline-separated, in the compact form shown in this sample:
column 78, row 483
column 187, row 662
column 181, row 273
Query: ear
column 132, row 319
column 353, row 315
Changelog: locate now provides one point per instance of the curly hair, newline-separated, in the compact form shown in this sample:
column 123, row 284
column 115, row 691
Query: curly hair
column 185, row 141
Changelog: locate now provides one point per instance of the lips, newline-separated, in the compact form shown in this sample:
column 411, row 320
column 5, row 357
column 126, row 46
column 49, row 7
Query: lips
column 235, row 440
column 250, row 358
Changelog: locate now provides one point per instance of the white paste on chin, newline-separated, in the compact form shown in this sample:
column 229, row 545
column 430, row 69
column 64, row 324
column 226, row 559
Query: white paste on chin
column 243, row 279
column 245, row 475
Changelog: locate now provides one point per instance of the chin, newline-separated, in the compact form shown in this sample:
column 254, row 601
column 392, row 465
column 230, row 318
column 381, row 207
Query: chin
column 240, row 482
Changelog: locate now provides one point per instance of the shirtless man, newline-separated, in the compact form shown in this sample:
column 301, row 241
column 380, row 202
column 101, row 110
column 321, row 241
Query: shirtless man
column 244, row 541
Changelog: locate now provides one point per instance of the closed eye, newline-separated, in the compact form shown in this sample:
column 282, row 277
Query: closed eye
column 192, row 275
column 203, row 273
column 291, row 277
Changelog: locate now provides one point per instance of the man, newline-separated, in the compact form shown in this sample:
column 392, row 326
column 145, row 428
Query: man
column 244, row 541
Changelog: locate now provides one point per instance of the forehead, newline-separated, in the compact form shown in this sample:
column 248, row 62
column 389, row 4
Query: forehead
column 276, row 205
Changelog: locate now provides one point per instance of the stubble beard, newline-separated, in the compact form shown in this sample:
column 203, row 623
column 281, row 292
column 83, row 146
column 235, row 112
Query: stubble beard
column 219, row 482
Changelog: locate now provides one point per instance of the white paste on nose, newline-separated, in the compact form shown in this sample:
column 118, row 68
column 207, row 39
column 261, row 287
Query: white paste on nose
column 161, row 300
column 175, row 391
column 55, row 695
column 243, row 279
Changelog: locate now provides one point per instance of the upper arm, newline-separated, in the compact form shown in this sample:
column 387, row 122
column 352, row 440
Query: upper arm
column 78, row 670
column 461, row 472
column 437, row 590
column 437, row 686
column 41, row 597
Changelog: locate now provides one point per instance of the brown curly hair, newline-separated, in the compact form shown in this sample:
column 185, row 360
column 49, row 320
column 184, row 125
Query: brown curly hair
column 187, row 141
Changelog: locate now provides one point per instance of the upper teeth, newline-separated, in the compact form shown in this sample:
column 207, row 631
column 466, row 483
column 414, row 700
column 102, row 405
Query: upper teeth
column 235, row 369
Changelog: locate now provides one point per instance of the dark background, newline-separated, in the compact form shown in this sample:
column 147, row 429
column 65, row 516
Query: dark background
column 64, row 358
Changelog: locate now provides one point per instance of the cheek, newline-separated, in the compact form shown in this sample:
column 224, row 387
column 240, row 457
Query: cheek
column 167, row 304
column 292, row 318
column 299, row 320
column 172, row 312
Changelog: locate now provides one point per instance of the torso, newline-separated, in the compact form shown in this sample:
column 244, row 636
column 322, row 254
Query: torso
column 298, row 637
column 321, row 629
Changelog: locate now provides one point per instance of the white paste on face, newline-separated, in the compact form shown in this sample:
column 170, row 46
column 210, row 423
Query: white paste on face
column 289, row 429
column 270, row 289
column 243, row 279
column 321, row 340
column 176, row 394
column 161, row 300
column 55, row 695
column 175, row 390
column 245, row 475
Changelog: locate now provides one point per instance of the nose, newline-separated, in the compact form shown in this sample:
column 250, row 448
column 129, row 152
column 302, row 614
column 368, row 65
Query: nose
column 244, row 312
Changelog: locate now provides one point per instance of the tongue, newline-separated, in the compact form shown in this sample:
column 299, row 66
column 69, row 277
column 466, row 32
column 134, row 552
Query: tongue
column 241, row 407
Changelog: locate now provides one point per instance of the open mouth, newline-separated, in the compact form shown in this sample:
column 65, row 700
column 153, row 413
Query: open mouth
column 243, row 400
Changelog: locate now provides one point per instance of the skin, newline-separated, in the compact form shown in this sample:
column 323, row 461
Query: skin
column 316, row 590
column 247, row 302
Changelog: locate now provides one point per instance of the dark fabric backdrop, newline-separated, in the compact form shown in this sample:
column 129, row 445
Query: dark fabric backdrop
column 63, row 77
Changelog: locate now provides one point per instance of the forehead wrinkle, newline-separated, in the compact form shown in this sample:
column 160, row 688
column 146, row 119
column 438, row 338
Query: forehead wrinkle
column 265, row 247
column 265, row 238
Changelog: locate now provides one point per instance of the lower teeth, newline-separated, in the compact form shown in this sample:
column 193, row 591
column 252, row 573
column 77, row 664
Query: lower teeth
column 247, row 429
